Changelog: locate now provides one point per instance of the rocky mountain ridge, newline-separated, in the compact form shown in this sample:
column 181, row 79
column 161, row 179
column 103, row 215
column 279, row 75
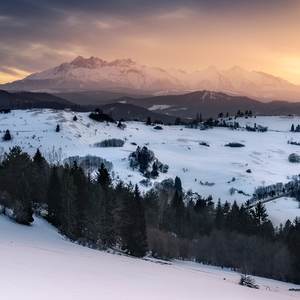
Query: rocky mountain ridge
column 96, row 74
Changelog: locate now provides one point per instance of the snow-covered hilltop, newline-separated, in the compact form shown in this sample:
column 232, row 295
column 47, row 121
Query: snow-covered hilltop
column 96, row 74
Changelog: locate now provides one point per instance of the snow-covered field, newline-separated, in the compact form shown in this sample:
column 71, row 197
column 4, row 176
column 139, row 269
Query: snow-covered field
column 265, row 154
column 37, row 263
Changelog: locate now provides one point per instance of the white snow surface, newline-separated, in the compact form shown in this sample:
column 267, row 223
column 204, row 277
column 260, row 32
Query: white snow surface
column 265, row 154
column 37, row 263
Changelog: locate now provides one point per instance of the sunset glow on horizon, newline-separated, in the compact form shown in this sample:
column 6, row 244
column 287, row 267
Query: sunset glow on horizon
column 256, row 35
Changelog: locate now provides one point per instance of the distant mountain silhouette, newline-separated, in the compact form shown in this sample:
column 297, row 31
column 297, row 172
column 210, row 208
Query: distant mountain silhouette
column 95, row 74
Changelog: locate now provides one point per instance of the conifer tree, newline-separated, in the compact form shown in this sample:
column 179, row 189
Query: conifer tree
column 23, row 206
column 53, row 198
column 80, row 181
column 68, row 215
column 108, row 206
column 232, row 219
column 219, row 219
column 133, row 223
column 40, row 177
column 93, row 214
column 179, row 212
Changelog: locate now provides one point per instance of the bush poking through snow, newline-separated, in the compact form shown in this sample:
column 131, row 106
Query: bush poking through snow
column 110, row 143
column 204, row 144
column 234, row 145
column 294, row 158
column 248, row 281
column 7, row 136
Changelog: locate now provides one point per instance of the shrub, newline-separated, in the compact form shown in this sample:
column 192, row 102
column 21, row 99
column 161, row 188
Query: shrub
column 233, row 145
column 294, row 158
column 248, row 281
column 203, row 144
column 7, row 136
column 121, row 125
column 110, row 143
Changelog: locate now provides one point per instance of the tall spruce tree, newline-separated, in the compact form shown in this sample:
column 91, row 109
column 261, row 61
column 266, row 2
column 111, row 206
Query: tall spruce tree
column 93, row 214
column 108, row 206
column 53, row 198
column 68, row 215
column 23, row 205
column 219, row 219
column 133, row 223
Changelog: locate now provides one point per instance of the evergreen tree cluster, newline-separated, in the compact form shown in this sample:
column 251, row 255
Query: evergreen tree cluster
column 165, row 220
column 99, row 116
column 145, row 160
column 92, row 212
column 295, row 128
column 291, row 188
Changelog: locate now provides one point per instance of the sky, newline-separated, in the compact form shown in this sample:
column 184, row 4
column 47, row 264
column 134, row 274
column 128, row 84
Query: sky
column 191, row 35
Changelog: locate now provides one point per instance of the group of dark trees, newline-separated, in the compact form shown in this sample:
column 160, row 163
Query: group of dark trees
column 145, row 161
column 92, row 212
column 291, row 188
column 100, row 116
column 295, row 129
column 165, row 220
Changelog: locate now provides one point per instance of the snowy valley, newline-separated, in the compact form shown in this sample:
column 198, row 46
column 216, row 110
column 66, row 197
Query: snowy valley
column 205, row 170
column 37, row 258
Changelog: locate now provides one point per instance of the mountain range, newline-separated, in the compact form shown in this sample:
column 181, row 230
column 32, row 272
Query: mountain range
column 126, row 75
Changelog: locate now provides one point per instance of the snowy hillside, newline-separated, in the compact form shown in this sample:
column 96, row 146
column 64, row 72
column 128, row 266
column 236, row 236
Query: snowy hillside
column 96, row 74
column 212, row 170
column 37, row 263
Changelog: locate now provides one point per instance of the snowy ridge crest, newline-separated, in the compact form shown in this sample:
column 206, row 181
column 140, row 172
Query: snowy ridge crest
column 94, row 73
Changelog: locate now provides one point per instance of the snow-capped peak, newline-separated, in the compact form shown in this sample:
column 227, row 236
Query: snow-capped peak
column 96, row 74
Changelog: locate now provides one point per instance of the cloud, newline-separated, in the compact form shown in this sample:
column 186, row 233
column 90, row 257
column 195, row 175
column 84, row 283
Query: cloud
column 190, row 35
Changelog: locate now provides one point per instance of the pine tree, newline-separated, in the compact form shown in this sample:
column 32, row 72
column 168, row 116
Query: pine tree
column 148, row 122
column 178, row 185
column 219, row 219
column 7, row 136
column 68, row 215
column 53, row 198
column 80, row 181
column 93, row 214
column 179, row 212
column 141, row 233
column 133, row 223
column 40, row 175
column 108, row 206
column 292, row 128
column 23, row 206
column 232, row 219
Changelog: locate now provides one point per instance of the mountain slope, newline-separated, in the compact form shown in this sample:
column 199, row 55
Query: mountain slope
column 25, row 100
column 37, row 263
column 210, row 104
column 96, row 74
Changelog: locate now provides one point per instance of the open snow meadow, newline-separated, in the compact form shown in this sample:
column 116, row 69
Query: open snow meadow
column 38, row 263
column 212, row 170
